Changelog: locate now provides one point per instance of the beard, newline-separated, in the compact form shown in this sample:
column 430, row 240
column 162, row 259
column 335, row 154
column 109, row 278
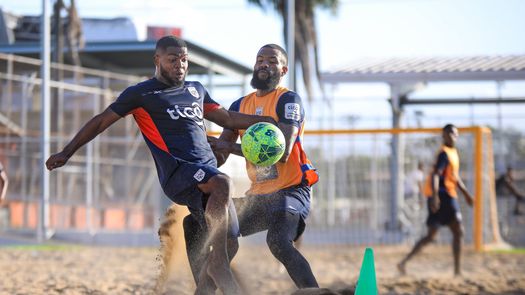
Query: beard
column 269, row 83
column 166, row 75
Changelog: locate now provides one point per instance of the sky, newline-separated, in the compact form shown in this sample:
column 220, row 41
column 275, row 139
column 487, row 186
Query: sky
column 360, row 29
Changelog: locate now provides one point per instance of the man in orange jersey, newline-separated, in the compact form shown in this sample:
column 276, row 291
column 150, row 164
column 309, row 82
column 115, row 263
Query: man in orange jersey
column 279, row 197
column 443, row 205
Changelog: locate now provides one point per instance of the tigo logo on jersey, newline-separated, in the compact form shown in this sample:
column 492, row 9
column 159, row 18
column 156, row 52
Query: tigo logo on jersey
column 199, row 175
column 187, row 112
column 292, row 111
column 193, row 91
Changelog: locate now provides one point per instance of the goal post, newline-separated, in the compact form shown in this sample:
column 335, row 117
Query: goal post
column 351, row 203
column 485, row 208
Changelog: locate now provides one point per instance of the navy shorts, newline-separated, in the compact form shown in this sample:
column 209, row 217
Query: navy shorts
column 255, row 212
column 182, row 189
column 448, row 211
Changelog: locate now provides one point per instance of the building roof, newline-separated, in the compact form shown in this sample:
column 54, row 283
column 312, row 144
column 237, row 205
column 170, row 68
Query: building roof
column 391, row 70
column 136, row 57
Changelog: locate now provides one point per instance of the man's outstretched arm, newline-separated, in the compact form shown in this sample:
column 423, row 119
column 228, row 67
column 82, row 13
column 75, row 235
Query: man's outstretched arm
column 90, row 130
column 234, row 120
column 225, row 145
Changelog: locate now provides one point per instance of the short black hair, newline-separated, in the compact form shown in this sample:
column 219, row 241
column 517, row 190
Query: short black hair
column 448, row 128
column 170, row 41
column 280, row 49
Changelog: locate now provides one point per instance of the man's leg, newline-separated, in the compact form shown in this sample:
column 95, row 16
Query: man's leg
column 431, row 234
column 216, row 214
column 457, row 240
column 281, row 233
column 196, row 238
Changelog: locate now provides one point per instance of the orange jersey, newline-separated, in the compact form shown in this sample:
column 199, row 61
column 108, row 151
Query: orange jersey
column 447, row 166
column 284, row 106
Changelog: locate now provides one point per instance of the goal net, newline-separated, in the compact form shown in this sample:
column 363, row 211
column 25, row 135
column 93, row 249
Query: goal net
column 352, row 203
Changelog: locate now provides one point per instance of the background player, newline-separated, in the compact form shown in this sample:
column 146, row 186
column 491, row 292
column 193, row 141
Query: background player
column 443, row 206
column 505, row 185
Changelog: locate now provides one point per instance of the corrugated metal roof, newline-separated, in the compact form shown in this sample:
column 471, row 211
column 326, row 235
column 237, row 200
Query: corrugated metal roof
column 511, row 67
column 136, row 57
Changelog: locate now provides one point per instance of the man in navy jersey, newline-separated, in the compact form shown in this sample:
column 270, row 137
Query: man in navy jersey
column 169, row 112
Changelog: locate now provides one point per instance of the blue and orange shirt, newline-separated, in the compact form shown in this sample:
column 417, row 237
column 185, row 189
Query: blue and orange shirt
column 447, row 166
column 171, row 120
column 284, row 106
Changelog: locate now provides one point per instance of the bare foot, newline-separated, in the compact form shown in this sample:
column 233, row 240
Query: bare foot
column 401, row 268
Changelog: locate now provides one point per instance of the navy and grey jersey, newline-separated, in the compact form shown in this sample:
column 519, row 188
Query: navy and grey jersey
column 171, row 120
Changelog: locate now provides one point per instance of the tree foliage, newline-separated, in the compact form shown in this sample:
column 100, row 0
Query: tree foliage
column 306, row 42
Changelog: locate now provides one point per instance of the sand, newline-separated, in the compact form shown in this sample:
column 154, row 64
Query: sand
column 109, row 270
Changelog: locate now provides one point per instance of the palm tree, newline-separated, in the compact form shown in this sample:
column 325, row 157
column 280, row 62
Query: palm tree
column 305, row 33
column 72, row 32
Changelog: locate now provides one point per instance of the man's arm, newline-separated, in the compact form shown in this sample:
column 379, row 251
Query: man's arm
column 290, row 133
column 5, row 182
column 90, row 130
column 464, row 191
column 509, row 183
column 235, row 120
column 435, row 203
column 225, row 145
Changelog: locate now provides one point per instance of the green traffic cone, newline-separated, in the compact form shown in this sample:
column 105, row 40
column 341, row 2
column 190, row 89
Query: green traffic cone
column 366, row 284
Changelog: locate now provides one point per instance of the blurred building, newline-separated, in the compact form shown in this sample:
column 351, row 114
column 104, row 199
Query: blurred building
column 117, row 44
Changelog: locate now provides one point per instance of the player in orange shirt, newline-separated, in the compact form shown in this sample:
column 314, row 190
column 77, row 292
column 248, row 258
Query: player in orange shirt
column 278, row 200
column 443, row 205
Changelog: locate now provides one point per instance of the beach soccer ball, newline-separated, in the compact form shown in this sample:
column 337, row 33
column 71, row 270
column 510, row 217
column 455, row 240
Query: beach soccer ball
column 263, row 144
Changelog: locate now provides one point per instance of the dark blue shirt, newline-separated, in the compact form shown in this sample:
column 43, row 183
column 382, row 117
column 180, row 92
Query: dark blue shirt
column 171, row 121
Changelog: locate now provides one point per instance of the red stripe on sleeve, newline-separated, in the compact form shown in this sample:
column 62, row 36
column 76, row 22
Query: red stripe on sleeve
column 148, row 128
column 210, row 107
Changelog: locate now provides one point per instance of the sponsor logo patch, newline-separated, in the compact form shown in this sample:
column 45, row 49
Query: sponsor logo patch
column 265, row 173
column 193, row 91
column 192, row 112
column 199, row 175
column 259, row 111
column 292, row 111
